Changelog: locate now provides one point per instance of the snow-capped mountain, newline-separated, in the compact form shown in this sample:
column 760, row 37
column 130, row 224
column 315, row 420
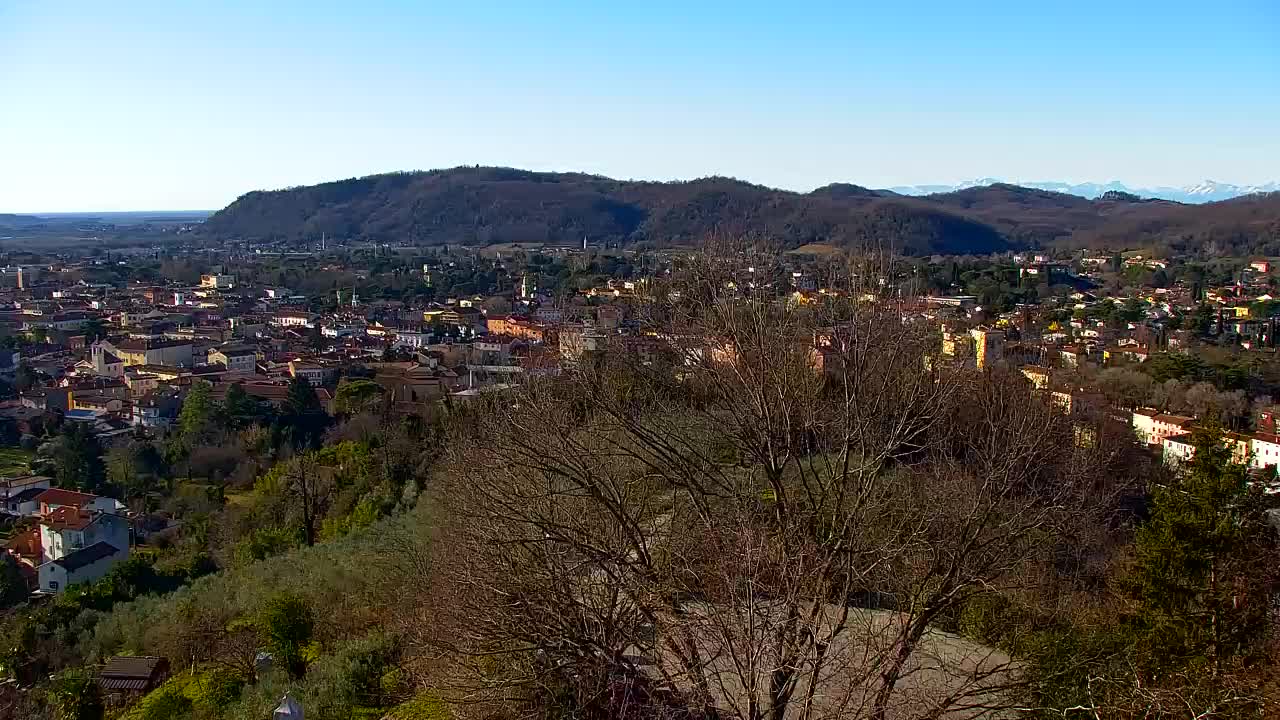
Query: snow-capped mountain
column 1207, row 191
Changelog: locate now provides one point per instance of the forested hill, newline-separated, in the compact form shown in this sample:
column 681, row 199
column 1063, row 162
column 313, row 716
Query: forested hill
column 481, row 206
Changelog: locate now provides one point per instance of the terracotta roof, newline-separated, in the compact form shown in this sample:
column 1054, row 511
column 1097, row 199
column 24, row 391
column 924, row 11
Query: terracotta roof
column 68, row 518
column 133, row 345
column 25, row 544
column 59, row 496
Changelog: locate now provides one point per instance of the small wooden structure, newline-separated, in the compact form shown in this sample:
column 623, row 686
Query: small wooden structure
column 124, row 678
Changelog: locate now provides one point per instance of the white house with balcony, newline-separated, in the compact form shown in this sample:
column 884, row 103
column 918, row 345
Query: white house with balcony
column 78, row 545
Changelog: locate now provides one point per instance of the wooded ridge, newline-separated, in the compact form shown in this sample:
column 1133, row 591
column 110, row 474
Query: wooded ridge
column 487, row 205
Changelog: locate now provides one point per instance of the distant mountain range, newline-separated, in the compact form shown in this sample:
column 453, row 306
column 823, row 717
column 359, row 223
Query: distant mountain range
column 1207, row 191
column 481, row 206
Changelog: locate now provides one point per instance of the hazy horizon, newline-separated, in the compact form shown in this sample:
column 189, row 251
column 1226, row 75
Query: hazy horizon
column 163, row 106
column 926, row 183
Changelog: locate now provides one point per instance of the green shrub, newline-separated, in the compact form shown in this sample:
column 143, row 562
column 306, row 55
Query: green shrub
column 423, row 707
column 166, row 702
column 353, row 676
column 214, row 689
column 264, row 543
column 74, row 696
column 285, row 625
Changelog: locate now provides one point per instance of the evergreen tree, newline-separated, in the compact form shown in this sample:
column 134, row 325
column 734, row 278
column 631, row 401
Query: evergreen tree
column 13, row 586
column 240, row 409
column 301, row 399
column 24, row 377
column 1202, row 577
column 301, row 415
column 196, row 420
column 285, row 627
column 77, row 458
column 358, row 395
column 93, row 330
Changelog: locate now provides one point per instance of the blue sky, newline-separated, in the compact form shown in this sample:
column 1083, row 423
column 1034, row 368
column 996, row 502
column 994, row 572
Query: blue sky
column 175, row 105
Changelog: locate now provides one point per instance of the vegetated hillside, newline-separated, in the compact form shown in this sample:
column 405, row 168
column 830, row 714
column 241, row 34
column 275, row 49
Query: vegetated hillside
column 1027, row 216
column 846, row 191
column 482, row 206
column 10, row 220
column 1248, row 225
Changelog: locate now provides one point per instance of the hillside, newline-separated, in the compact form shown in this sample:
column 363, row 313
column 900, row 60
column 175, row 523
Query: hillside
column 1247, row 225
column 482, row 206
column 10, row 220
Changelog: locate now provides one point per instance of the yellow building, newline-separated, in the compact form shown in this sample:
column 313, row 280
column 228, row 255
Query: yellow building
column 988, row 347
column 1039, row 376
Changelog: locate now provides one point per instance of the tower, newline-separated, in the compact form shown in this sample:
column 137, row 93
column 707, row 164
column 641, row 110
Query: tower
column 988, row 347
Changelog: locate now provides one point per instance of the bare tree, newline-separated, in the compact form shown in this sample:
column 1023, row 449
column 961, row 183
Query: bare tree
column 208, row 634
column 768, row 523
column 309, row 488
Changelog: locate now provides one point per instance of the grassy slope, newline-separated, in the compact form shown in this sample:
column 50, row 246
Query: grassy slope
column 349, row 584
column 15, row 461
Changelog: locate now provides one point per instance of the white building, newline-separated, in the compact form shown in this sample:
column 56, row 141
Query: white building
column 293, row 319
column 339, row 331
column 79, row 545
column 81, row 566
column 415, row 339
column 1178, row 449
column 1266, row 449
column 235, row 359
column 1181, row 448
column 1153, row 427
column 313, row 374
column 68, row 529
column 218, row 282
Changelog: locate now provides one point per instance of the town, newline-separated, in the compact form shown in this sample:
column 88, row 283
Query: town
column 111, row 348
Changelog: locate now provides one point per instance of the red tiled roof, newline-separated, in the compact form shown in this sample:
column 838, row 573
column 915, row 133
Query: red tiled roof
column 68, row 518
column 25, row 544
column 59, row 496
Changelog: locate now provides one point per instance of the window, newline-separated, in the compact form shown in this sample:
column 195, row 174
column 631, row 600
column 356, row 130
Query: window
column 53, row 584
